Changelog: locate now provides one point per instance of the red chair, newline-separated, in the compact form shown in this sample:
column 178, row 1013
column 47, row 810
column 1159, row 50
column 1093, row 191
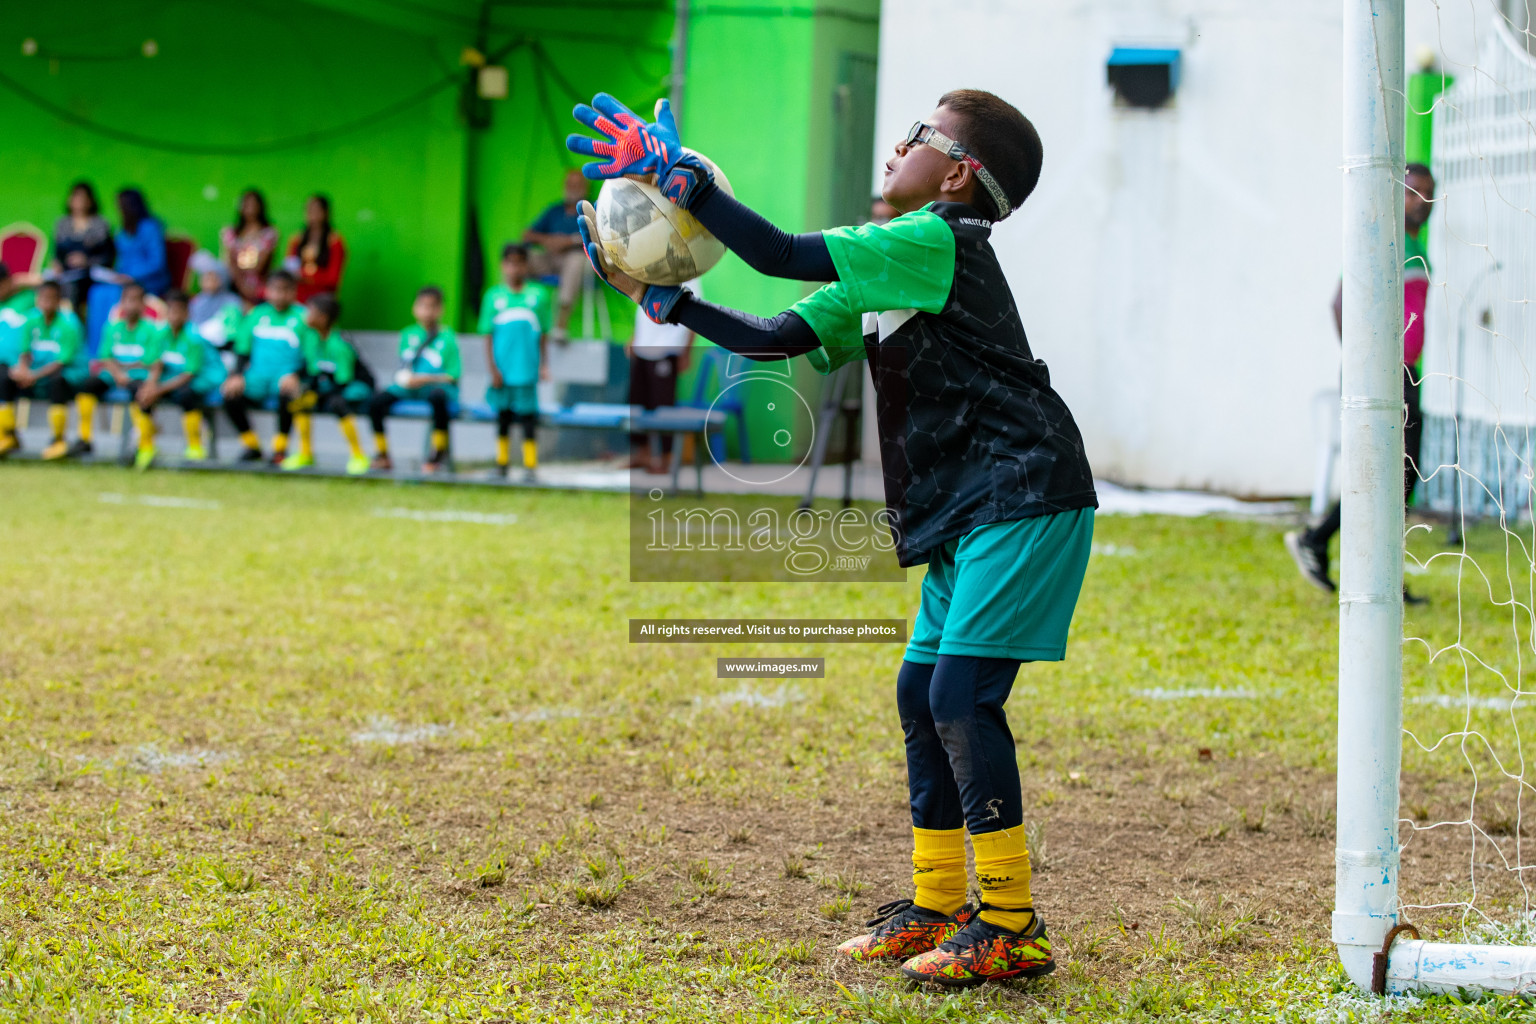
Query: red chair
column 178, row 257
column 23, row 248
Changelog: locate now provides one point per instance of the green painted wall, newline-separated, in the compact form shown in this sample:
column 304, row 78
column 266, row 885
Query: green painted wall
column 231, row 79
column 771, row 129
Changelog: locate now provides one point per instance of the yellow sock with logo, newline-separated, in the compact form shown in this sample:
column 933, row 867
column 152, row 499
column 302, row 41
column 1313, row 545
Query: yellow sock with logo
column 531, row 454
column 249, row 439
column 7, row 419
column 1002, row 870
column 440, row 440
column 144, row 424
column 381, row 442
column 86, row 404
column 503, row 450
column 349, row 431
column 938, row 868
column 279, row 445
column 58, row 419
column 192, row 427
column 305, row 425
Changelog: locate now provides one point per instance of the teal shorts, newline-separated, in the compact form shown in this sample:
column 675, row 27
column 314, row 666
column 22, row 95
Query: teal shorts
column 1004, row 590
column 518, row 399
column 261, row 389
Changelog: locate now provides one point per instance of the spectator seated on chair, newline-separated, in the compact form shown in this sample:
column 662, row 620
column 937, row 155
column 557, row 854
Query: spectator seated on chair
column 187, row 371
column 560, row 254
column 269, row 364
column 122, row 361
column 82, row 243
column 51, row 367
column 513, row 318
column 248, row 246
column 429, row 372
column 140, row 245
column 316, row 254
column 215, row 312
column 336, row 382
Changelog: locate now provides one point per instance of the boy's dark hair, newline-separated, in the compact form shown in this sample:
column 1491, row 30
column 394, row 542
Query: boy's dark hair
column 176, row 297
column 133, row 286
column 431, row 291
column 51, row 285
column 281, row 275
column 1004, row 140
column 1421, row 170
column 513, row 249
column 326, row 305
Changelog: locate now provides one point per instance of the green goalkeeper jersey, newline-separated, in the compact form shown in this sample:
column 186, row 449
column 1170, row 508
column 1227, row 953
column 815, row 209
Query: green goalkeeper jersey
column 971, row 431
column 131, row 345
column 330, row 356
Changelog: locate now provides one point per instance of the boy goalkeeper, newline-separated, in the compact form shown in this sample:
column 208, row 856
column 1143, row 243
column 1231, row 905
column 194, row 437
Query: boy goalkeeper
column 985, row 475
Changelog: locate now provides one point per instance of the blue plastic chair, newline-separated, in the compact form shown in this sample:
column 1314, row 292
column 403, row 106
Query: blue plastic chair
column 715, row 362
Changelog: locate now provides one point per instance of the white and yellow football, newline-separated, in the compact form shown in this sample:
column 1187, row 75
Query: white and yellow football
column 648, row 238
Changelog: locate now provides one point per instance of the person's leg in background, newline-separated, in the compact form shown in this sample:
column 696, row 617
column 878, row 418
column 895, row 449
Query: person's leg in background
column 652, row 384
column 87, row 398
column 338, row 405
column 1413, row 434
column 573, row 268
column 58, row 393
column 440, row 401
column 302, row 411
column 191, row 404
column 378, row 409
column 504, row 420
column 238, row 409
column 10, row 394
column 530, row 424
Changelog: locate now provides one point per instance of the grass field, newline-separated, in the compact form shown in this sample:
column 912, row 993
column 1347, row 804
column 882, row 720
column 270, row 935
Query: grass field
column 279, row 750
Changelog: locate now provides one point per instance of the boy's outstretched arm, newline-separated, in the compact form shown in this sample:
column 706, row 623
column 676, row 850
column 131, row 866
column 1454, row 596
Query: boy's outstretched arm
column 782, row 337
column 629, row 146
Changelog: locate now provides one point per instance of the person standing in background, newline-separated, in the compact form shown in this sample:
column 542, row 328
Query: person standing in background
column 82, row 241
column 1309, row 548
column 248, row 246
column 140, row 245
column 658, row 355
column 316, row 254
column 560, row 253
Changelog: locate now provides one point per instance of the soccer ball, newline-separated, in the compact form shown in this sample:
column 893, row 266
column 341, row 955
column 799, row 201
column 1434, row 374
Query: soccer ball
column 651, row 240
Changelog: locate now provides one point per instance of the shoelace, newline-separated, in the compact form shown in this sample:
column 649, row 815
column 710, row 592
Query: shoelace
column 889, row 911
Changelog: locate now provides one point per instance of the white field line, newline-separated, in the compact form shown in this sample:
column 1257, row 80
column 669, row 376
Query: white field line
column 447, row 516
column 159, row 501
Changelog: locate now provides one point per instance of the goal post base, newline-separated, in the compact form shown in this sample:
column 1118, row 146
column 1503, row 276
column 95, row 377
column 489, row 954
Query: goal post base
column 1422, row 967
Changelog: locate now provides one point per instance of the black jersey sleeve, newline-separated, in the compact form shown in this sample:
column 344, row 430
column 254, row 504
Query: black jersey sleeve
column 766, row 248
column 779, row 337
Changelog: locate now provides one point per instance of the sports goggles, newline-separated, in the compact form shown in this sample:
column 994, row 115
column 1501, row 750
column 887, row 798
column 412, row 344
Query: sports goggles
column 924, row 134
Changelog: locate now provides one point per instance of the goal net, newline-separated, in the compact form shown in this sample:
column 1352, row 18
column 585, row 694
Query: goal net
column 1468, row 849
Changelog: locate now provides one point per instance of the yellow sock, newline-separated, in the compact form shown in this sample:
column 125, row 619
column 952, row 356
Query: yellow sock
column 144, row 424
column 86, row 404
column 1002, row 870
column 192, row 426
column 381, row 442
column 305, row 425
column 7, row 419
column 530, row 454
column 938, row 868
column 279, row 444
column 349, row 431
column 249, row 439
column 58, row 419
column 440, row 440
column 503, row 450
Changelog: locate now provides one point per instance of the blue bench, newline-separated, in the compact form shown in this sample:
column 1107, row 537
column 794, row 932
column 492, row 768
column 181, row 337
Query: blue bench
column 678, row 421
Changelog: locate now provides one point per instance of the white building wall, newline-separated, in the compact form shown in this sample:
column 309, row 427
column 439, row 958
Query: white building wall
column 1174, row 268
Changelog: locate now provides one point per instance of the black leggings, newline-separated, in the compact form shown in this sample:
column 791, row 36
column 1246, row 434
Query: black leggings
column 99, row 387
column 1413, row 436
column 506, row 417
column 56, row 389
column 186, row 398
column 335, row 404
column 381, row 403
column 238, row 409
column 961, row 766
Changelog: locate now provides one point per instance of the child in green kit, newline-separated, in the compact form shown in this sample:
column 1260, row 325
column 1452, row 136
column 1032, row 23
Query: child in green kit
column 514, row 317
column 52, row 366
column 986, row 480
column 123, row 360
column 186, row 370
column 429, row 372
column 269, row 364
column 338, row 383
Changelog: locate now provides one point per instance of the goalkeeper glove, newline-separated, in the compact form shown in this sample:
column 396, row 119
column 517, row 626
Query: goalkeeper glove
column 657, row 300
column 634, row 147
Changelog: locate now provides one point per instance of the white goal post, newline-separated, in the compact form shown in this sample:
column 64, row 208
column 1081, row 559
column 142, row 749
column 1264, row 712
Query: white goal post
column 1366, row 904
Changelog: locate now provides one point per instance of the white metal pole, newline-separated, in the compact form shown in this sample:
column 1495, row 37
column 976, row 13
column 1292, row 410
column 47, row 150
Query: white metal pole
column 1371, row 541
